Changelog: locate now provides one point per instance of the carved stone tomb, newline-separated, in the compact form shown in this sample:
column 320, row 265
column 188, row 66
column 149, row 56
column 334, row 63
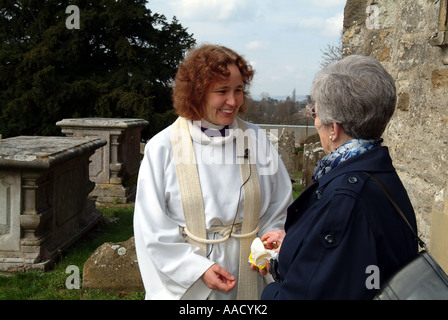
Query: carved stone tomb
column 44, row 206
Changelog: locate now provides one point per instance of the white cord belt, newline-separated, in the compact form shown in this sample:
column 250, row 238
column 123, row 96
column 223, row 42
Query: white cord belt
column 225, row 231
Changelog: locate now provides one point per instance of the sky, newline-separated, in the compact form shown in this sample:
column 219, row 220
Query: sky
column 282, row 39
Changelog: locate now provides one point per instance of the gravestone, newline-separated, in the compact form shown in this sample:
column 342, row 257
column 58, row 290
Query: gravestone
column 312, row 153
column 286, row 150
column 113, row 267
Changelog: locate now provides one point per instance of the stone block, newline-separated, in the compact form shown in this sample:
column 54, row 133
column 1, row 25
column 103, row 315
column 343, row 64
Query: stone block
column 403, row 102
column 113, row 267
column 440, row 79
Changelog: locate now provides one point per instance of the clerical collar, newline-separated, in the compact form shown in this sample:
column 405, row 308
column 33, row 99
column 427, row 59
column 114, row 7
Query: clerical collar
column 200, row 137
column 213, row 130
column 216, row 132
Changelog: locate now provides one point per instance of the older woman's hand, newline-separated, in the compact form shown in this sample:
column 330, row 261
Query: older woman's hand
column 273, row 239
column 263, row 271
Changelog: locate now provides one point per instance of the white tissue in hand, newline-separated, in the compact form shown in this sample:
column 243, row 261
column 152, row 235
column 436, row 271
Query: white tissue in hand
column 259, row 253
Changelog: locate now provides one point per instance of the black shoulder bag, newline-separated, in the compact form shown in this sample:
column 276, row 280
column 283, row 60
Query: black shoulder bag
column 420, row 279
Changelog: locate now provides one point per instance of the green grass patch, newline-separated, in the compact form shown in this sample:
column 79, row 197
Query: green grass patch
column 297, row 188
column 116, row 226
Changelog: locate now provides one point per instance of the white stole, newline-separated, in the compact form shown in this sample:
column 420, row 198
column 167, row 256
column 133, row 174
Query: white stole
column 192, row 201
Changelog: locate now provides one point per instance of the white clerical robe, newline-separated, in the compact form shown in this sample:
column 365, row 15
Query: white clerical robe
column 170, row 267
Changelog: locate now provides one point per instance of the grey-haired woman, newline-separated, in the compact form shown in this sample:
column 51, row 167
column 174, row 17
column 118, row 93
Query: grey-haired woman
column 343, row 226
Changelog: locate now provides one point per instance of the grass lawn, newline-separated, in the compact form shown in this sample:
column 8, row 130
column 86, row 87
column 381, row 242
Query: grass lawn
column 34, row 285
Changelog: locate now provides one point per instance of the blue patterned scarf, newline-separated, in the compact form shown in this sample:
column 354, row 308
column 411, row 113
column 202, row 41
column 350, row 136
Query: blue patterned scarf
column 343, row 153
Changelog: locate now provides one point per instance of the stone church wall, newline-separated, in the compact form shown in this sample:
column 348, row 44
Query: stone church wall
column 408, row 38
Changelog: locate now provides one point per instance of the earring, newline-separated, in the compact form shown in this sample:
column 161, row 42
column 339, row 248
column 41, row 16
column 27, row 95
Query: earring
column 331, row 138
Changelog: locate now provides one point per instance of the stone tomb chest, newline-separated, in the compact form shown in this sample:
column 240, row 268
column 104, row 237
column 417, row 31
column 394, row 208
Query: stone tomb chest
column 113, row 168
column 44, row 206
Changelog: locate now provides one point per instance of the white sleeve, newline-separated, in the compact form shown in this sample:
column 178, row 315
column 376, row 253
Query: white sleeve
column 168, row 265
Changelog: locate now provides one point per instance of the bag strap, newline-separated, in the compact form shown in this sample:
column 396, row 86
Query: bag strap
column 389, row 195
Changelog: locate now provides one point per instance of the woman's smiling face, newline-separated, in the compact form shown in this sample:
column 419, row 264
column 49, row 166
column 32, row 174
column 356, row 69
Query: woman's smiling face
column 225, row 98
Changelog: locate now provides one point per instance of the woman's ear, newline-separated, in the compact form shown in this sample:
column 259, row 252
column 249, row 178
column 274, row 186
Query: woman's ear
column 335, row 131
column 338, row 134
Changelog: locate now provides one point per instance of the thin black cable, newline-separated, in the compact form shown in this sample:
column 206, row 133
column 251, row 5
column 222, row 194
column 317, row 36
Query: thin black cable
column 246, row 156
column 211, row 249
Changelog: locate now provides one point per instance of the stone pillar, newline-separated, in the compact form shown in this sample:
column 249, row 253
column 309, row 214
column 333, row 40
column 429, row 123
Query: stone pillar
column 114, row 169
column 44, row 206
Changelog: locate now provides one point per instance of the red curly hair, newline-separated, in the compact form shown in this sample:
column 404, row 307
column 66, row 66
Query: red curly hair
column 200, row 69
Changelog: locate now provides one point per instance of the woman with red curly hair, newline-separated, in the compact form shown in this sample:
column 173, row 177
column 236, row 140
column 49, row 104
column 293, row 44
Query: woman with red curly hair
column 199, row 71
column 208, row 185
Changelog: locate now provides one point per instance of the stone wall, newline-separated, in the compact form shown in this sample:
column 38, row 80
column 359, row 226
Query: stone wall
column 286, row 138
column 300, row 132
column 407, row 37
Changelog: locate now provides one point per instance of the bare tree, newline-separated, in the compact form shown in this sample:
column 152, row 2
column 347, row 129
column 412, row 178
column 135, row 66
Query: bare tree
column 331, row 53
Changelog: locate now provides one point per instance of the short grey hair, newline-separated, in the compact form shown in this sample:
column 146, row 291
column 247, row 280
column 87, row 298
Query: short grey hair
column 358, row 93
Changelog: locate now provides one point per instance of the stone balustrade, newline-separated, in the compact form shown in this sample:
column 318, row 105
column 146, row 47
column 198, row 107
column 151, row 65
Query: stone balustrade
column 44, row 206
column 114, row 168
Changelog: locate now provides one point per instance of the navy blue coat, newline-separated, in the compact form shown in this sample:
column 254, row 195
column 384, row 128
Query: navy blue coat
column 341, row 225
